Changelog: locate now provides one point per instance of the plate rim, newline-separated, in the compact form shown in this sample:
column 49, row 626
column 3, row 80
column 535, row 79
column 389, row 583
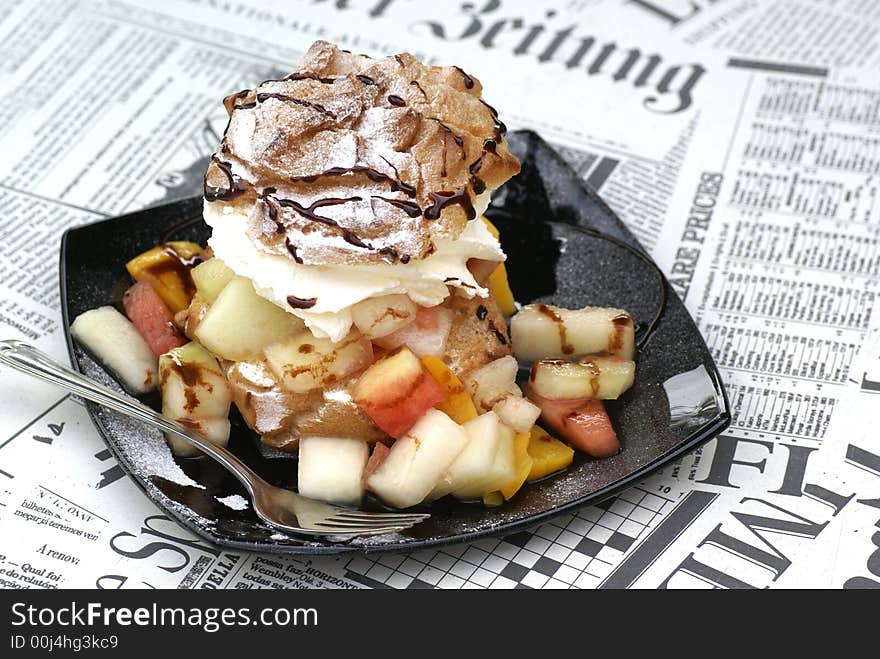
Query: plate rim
column 704, row 434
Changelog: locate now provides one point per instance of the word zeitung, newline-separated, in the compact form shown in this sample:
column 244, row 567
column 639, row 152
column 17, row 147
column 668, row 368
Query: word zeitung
column 670, row 87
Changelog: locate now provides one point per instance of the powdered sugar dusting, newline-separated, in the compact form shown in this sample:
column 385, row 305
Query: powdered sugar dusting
column 234, row 501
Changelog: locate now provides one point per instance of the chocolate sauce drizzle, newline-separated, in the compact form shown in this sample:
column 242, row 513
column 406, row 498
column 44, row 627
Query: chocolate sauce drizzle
column 489, row 146
column 367, row 80
column 273, row 217
column 373, row 174
column 291, row 248
column 396, row 101
column 498, row 334
column 419, row 87
column 264, row 96
column 500, row 128
column 229, row 101
column 468, row 81
column 409, row 207
column 235, row 186
column 309, row 75
column 301, row 302
column 309, row 213
column 188, row 262
column 445, row 198
column 447, row 133
column 389, row 254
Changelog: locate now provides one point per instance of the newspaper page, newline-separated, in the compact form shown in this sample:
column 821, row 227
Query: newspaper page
column 749, row 175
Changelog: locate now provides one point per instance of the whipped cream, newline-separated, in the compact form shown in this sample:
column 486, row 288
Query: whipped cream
column 338, row 287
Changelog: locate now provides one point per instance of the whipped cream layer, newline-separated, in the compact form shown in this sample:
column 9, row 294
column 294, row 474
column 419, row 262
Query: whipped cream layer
column 337, row 287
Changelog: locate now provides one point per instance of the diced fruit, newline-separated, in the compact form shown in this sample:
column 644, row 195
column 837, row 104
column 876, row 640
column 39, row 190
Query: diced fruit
column 523, row 465
column 332, row 469
column 501, row 471
column 593, row 376
column 377, row 457
column 496, row 234
column 167, row 268
column 151, row 317
column 472, row 469
column 426, row 335
column 498, row 284
column 493, row 499
column 305, row 362
column 457, row 404
column 240, row 323
column 541, row 331
column 215, row 430
column 396, row 391
column 517, row 413
column 583, row 423
column 554, row 411
column 589, row 429
column 117, row 344
column 417, row 460
column 549, row 455
column 192, row 383
column 493, row 382
column 194, row 314
column 194, row 392
column 500, row 290
column 210, row 278
column 376, row 317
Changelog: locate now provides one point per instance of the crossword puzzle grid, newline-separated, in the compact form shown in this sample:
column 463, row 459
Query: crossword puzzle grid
column 571, row 551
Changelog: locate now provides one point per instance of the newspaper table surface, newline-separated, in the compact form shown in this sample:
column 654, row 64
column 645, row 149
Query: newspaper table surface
column 739, row 140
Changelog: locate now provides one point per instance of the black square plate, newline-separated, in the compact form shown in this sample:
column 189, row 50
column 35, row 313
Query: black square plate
column 564, row 246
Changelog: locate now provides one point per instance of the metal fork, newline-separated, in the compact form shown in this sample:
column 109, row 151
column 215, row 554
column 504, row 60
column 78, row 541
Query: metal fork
column 282, row 509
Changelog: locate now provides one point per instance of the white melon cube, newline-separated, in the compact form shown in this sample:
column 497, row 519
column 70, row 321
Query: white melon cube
column 215, row 430
column 418, row 460
column 518, row 413
column 304, row 362
column 542, row 331
column 380, row 316
column 192, row 384
column 473, row 466
column 493, row 382
column 210, row 278
column 332, row 469
column 501, row 471
column 116, row 343
column 240, row 323
column 593, row 376
column 195, row 393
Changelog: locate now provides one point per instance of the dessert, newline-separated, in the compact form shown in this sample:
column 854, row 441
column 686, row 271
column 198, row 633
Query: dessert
column 352, row 302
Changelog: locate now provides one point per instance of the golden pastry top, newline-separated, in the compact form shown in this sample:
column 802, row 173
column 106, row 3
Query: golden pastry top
column 357, row 160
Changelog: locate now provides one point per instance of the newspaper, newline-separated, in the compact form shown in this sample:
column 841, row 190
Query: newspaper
column 737, row 138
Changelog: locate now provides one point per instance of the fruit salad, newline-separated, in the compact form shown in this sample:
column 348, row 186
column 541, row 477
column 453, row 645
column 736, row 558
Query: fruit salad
column 352, row 304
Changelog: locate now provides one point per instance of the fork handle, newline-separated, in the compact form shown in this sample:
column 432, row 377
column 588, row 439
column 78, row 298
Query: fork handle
column 27, row 359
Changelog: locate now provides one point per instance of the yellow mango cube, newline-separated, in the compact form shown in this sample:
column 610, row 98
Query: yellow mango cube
column 548, row 454
column 500, row 289
column 523, row 465
column 498, row 284
column 457, row 405
column 167, row 269
column 493, row 499
column 496, row 234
